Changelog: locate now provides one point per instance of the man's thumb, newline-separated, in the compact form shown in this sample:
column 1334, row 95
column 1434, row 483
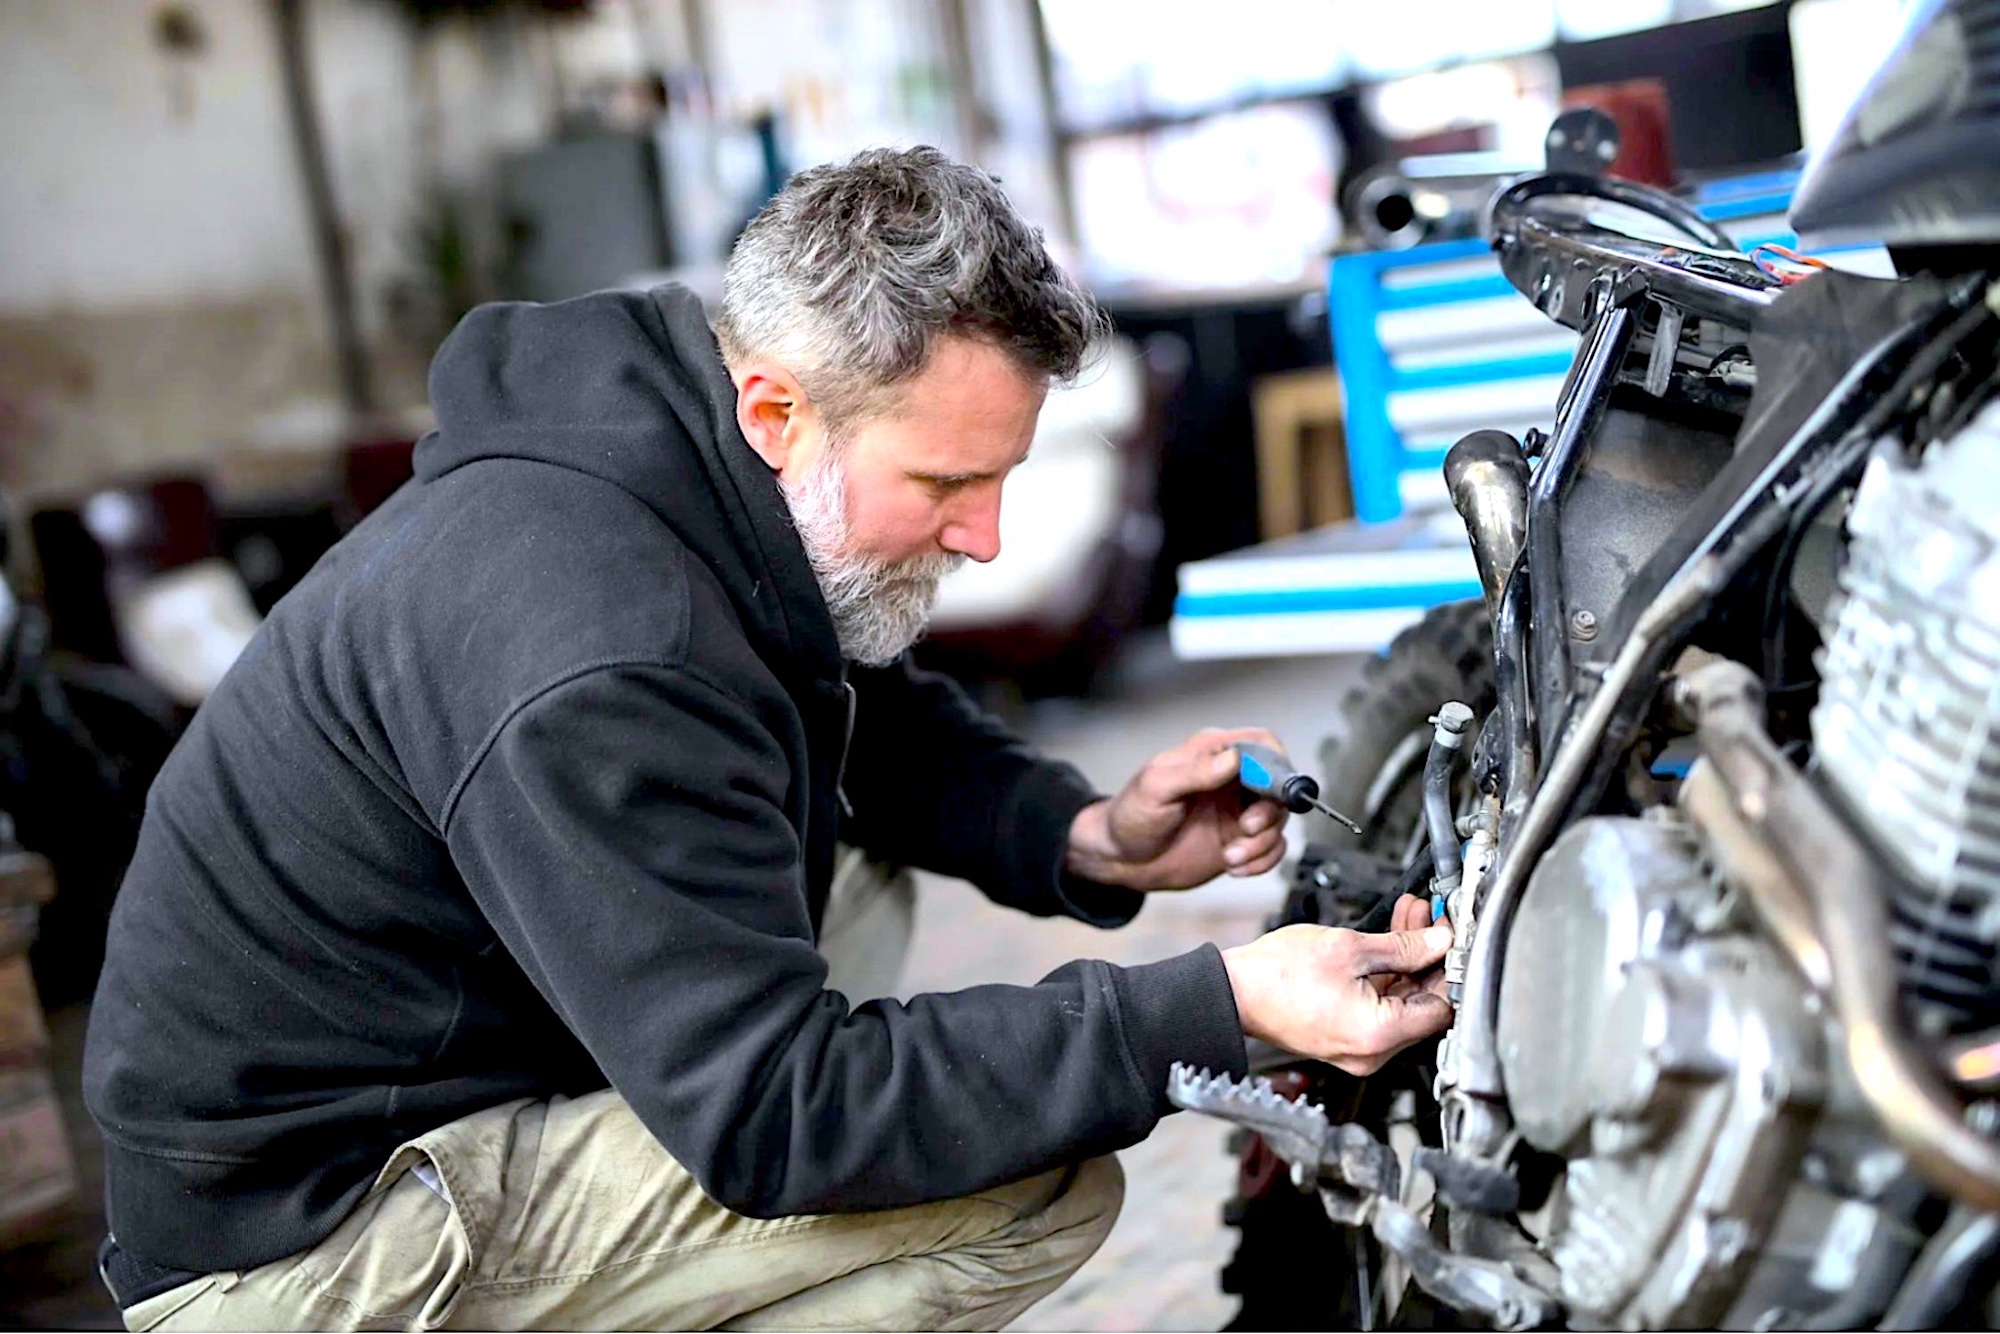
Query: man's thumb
column 1403, row 951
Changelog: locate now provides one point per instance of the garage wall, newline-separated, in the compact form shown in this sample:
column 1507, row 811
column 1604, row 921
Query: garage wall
column 160, row 304
column 159, row 300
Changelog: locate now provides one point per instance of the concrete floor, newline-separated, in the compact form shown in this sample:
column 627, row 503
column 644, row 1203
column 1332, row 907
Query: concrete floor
column 1158, row 1268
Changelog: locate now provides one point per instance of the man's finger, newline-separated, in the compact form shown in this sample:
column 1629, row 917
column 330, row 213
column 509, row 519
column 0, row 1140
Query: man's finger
column 1205, row 762
column 1410, row 914
column 1262, row 862
column 1407, row 1019
column 1409, row 984
column 1401, row 951
column 1260, row 816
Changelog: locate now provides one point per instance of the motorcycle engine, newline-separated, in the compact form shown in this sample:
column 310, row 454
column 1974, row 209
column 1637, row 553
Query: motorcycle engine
column 1910, row 696
column 1719, row 1166
column 1663, row 1047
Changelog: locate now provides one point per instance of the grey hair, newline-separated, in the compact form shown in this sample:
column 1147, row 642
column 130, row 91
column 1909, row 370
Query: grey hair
column 853, row 271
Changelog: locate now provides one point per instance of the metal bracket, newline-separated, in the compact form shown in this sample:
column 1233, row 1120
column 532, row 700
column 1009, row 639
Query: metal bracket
column 1473, row 1186
column 1485, row 1287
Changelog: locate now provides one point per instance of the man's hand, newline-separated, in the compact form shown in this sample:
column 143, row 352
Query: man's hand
column 1181, row 821
column 1350, row 998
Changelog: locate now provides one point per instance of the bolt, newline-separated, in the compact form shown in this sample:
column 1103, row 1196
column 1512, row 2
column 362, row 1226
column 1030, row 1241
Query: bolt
column 1583, row 625
column 1877, row 1171
column 1607, row 150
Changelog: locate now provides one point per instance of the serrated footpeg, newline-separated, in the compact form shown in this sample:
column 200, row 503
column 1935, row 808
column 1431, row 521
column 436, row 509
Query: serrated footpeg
column 1359, row 1181
column 1320, row 1153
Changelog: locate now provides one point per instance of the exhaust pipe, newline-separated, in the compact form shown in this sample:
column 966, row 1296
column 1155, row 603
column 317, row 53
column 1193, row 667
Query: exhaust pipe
column 1821, row 892
column 1435, row 197
column 1488, row 480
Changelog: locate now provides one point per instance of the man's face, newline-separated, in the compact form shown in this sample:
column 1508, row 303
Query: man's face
column 887, row 509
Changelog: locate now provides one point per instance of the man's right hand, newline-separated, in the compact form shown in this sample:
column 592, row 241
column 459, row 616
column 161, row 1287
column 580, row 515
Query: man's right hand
column 1349, row 998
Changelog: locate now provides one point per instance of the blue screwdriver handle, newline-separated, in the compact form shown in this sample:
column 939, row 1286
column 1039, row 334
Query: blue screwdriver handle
column 1266, row 772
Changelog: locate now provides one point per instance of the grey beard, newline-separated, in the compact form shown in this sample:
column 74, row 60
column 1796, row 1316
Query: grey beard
column 879, row 608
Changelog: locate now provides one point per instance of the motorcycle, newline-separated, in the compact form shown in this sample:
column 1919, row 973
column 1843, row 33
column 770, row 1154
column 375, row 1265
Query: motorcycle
column 1708, row 786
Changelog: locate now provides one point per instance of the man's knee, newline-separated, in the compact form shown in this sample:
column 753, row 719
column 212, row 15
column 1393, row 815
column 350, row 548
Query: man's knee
column 1100, row 1191
column 1077, row 1219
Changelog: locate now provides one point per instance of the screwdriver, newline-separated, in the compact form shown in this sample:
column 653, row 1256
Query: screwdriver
column 1267, row 773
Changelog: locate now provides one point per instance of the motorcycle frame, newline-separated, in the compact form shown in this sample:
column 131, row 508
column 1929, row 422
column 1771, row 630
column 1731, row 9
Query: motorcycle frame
column 1582, row 722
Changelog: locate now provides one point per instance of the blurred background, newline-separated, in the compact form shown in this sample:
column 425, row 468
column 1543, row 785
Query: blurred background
column 232, row 232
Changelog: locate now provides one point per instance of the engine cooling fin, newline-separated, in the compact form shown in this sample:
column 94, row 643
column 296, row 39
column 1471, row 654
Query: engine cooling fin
column 1907, row 731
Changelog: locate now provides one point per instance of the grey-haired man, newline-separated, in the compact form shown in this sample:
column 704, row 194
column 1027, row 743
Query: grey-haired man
column 469, row 972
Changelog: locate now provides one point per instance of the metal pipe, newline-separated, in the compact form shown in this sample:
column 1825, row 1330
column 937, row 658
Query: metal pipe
column 1835, row 874
column 1945, row 1274
column 1403, row 203
column 1877, row 1278
column 357, row 390
column 1586, row 396
column 1488, row 480
column 1514, row 710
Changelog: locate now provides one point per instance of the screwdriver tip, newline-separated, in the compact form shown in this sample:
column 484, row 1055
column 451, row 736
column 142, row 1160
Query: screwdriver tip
column 1331, row 813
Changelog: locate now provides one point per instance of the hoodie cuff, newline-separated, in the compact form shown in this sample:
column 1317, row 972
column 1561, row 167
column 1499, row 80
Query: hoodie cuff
column 1180, row 1009
column 1036, row 844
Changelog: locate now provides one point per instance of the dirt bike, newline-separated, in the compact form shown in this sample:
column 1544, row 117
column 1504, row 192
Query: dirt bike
column 1708, row 786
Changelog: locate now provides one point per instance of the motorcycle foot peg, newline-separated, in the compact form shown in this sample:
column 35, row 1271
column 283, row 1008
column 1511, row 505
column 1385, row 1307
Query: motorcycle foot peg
column 1468, row 1185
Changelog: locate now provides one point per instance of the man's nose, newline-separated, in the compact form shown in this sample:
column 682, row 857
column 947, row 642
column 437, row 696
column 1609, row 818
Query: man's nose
column 975, row 530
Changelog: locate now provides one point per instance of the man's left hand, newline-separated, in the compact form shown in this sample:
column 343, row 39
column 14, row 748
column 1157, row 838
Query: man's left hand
column 1181, row 821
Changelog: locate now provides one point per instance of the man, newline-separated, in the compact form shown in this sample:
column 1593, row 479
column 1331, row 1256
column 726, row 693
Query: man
column 466, row 971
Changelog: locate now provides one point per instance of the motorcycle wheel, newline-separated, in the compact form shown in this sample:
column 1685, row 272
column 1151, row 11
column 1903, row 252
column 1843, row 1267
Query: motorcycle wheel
column 1374, row 769
column 1293, row 1267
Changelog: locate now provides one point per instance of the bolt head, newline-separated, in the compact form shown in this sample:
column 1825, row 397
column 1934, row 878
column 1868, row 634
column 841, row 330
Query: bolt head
column 1583, row 625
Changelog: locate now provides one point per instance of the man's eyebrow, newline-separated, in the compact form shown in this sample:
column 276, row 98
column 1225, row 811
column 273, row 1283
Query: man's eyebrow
column 954, row 478
column 966, row 478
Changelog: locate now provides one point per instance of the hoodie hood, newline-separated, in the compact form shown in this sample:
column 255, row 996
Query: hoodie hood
column 630, row 388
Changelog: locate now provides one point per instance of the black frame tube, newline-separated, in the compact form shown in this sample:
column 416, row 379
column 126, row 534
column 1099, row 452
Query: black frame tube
column 1585, row 399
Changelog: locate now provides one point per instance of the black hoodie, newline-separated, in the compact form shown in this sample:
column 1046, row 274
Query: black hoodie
column 532, row 784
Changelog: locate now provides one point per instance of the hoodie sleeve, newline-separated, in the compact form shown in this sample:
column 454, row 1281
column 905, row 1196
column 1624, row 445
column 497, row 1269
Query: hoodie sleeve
column 936, row 782
column 625, row 833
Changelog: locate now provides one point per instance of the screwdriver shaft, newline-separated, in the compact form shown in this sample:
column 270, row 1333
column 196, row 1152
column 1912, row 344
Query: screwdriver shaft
column 1331, row 813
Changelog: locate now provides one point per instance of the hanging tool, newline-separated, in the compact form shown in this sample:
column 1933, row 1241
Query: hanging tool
column 1268, row 773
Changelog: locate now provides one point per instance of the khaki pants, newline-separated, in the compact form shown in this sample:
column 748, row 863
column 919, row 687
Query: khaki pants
column 568, row 1214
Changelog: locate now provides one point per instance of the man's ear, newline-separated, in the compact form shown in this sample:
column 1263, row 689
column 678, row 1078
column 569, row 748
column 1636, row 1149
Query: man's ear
column 770, row 410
